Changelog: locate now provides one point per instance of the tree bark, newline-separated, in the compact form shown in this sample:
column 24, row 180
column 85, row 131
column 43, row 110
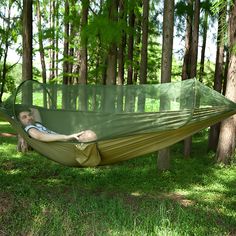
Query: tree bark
column 41, row 48
column 193, row 64
column 83, row 72
column 144, row 52
column 163, row 161
column 121, row 51
column 53, row 39
column 66, row 44
column 112, row 51
column 188, row 40
column 195, row 36
column 137, row 49
column 131, row 46
column 71, row 41
column 225, row 72
column 27, row 66
column 83, row 54
column 27, row 40
column 226, row 144
column 65, row 79
column 57, row 39
column 204, row 39
column 219, row 73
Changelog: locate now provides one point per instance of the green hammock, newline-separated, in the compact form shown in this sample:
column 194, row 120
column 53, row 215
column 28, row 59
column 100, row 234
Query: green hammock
column 129, row 120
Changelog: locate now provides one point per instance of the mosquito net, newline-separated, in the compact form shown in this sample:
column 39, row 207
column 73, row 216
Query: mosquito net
column 115, row 111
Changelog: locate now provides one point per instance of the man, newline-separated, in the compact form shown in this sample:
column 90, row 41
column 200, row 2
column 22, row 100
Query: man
column 38, row 131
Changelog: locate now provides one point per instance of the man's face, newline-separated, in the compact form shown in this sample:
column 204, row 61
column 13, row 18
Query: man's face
column 26, row 118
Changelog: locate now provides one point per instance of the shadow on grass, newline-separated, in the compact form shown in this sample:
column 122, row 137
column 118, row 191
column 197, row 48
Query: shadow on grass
column 131, row 198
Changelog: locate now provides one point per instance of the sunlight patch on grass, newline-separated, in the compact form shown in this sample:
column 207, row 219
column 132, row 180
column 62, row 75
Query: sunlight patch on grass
column 9, row 151
column 52, row 182
column 136, row 194
column 14, row 172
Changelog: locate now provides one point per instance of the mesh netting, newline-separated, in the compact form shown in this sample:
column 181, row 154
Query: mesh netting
column 113, row 111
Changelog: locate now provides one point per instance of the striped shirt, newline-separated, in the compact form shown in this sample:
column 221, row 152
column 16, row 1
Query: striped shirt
column 40, row 128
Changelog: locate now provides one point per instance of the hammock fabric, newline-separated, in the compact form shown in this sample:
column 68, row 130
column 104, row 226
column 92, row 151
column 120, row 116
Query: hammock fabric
column 129, row 120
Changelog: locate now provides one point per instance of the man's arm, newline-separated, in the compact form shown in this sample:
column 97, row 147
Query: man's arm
column 34, row 133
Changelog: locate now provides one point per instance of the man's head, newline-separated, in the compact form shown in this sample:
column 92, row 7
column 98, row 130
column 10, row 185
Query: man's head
column 26, row 117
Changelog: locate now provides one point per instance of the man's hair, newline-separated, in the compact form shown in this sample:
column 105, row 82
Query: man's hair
column 22, row 110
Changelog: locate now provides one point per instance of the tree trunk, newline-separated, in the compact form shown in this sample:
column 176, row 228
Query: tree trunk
column 188, row 40
column 137, row 49
column 40, row 37
column 219, row 73
column 204, row 38
column 27, row 40
column 112, row 51
column 55, row 29
column 26, row 61
column 225, row 72
column 66, row 44
column 83, row 68
column 143, row 64
column 163, row 161
column 193, row 64
column 226, row 144
column 65, row 80
column 121, row 51
column 57, row 39
column 52, row 40
column 83, row 72
column 194, row 45
column 131, row 46
column 71, row 44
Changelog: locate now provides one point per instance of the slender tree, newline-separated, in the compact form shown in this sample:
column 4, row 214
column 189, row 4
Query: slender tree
column 163, row 161
column 56, row 39
column 40, row 38
column 27, row 68
column 131, row 45
column 83, row 73
column 219, row 72
column 27, row 40
column 226, row 144
column 121, row 51
column 66, row 43
column 72, row 33
column 188, row 40
column 143, row 64
column 193, row 63
column 195, row 37
column 204, row 39
column 137, row 48
column 112, row 51
column 52, row 39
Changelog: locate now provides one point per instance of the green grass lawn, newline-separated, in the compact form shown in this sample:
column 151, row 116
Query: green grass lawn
column 40, row 197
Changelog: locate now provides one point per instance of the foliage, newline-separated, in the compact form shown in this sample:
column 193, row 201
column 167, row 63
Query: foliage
column 10, row 80
column 9, row 32
column 101, row 32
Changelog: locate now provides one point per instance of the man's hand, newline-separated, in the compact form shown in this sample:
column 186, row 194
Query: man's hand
column 84, row 136
column 75, row 136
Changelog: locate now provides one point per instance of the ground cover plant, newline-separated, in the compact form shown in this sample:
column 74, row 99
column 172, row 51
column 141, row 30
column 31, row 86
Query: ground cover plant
column 40, row 197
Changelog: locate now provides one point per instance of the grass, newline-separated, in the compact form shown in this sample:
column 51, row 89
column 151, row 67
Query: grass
column 40, row 197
